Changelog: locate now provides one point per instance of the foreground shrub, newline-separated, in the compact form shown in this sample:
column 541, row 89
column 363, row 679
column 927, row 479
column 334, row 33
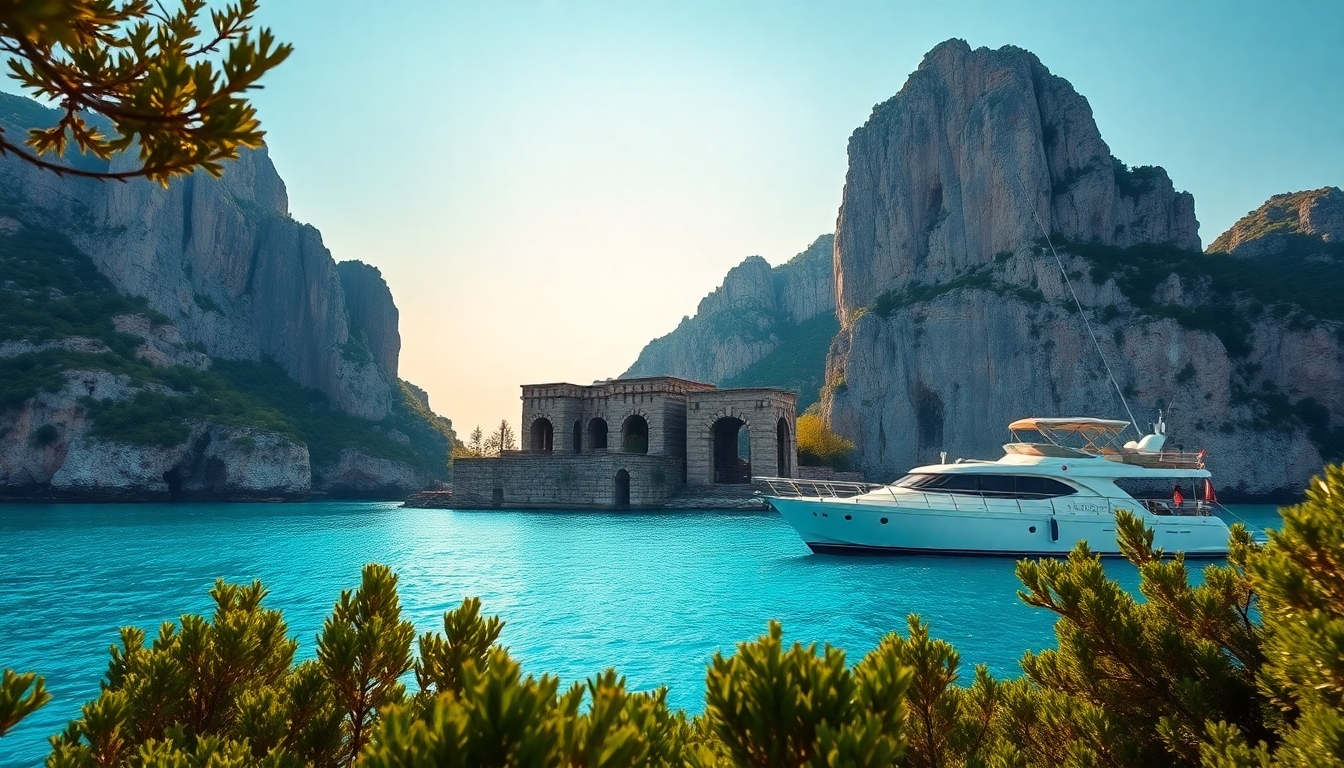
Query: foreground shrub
column 770, row 707
column 1246, row 669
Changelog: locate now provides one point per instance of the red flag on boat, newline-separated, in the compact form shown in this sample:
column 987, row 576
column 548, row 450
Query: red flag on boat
column 1177, row 497
column 1209, row 495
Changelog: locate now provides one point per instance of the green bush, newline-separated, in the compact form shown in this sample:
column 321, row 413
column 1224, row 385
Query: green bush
column 820, row 446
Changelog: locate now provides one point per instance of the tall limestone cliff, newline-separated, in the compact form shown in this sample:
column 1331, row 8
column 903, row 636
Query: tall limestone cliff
column 955, row 319
column 762, row 327
column 211, row 276
column 373, row 315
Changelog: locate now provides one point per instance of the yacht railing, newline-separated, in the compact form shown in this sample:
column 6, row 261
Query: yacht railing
column 966, row 501
column 791, row 487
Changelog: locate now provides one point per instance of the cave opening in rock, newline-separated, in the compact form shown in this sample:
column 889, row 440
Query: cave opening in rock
column 928, row 418
column 173, row 478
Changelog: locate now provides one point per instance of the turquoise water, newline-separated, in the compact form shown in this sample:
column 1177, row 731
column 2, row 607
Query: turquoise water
column 653, row 595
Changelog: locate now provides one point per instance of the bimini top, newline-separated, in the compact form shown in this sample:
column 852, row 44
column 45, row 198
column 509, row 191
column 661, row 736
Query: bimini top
column 1068, row 438
column 1076, row 424
column 1081, row 437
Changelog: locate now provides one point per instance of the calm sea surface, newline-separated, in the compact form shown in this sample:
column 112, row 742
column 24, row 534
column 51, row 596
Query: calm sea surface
column 653, row 595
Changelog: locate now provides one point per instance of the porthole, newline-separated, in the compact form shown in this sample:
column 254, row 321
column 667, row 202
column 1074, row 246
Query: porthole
column 849, row 517
column 884, row 521
column 1032, row 529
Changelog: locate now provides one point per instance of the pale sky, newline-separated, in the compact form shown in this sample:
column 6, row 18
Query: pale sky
column 547, row 186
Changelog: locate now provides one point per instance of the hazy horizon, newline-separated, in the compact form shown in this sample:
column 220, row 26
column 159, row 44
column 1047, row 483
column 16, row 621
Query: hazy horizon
column 548, row 187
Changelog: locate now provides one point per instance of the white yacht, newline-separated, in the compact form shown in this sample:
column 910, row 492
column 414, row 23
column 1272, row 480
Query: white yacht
column 1059, row 482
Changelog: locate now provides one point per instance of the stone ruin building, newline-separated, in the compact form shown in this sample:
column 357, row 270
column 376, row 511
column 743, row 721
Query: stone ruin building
column 634, row 443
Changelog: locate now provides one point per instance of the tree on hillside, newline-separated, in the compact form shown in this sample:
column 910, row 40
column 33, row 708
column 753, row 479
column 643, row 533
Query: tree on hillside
column 502, row 439
column 820, row 446
column 170, row 91
column 474, row 448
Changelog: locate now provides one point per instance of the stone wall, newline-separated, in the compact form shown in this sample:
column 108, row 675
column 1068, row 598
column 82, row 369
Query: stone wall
column 571, row 408
column 760, row 411
column 563, row 481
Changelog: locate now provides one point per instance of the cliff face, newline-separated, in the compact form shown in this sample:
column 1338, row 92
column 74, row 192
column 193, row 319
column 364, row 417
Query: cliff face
column 963, row 162
column 222, row 260
column 955, row 319
column 762, row 326
column 373, row 315
column 208, row 270
column 1285, row 222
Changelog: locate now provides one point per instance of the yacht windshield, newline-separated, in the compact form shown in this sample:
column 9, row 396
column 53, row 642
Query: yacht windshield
column 998, row 486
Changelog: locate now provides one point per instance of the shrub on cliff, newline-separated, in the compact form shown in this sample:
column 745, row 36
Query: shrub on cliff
column 1244, row 669
column 820, row 446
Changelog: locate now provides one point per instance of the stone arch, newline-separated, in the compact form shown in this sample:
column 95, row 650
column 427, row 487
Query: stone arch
column 783, row 446
column 541, row 436
column 728, row 435
column 635, row 434
column 620, row 496
column 597, row 434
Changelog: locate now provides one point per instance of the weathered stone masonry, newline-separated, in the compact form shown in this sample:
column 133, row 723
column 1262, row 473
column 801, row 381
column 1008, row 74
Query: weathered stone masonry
column 633, row 443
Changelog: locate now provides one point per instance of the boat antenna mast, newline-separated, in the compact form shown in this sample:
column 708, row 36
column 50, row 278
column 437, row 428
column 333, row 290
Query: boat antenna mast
column 1083, row 313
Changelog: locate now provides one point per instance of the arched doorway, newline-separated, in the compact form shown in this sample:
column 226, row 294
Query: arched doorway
column 783, row 456
column 597, row 435
column 542, row 436
column 635, row 434
column 578, row 436
column 621, row 496
column 732, row 451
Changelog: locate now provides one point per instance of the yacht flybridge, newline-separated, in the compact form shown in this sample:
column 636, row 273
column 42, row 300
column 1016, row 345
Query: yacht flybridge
column 1060, row 481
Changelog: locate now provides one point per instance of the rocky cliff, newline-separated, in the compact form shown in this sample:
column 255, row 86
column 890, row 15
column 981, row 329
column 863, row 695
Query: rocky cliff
column 243, row 360
column 762, row 327
column 1292, row 222
column 955, row 319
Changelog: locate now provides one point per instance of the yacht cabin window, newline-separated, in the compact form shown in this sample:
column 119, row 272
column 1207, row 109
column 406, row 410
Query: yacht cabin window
column 997, row 486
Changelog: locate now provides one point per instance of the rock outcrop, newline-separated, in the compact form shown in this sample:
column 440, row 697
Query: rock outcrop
column 955, row 320
column 962, row 164
column 140, row 333
column 1298, row 219
column 373, row 314
column 756, row 315
column 222, row 259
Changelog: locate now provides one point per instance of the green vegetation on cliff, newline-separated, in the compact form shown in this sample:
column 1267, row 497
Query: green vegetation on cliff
column 1239, row 670
column 50, row 293
column 1292, row 284
column 798, row 363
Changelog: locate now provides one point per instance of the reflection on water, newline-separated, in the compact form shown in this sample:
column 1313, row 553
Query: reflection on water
column 653, row 595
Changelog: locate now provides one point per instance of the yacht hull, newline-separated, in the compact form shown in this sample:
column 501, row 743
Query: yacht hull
column 865, row 526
